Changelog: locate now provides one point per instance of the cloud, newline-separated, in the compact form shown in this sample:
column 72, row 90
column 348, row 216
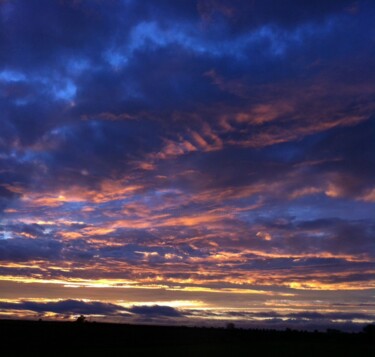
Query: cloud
column 21, row 249
column 77, row 307
column 6, row 197
column 155, row 311
column 64, row 307
column 158, row 313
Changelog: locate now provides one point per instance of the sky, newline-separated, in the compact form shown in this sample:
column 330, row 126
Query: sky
column 188, row 162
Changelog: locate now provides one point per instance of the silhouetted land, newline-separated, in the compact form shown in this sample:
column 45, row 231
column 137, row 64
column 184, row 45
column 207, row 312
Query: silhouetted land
column 33, row 338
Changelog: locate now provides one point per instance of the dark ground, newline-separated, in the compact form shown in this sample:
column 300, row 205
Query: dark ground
column 33, row 338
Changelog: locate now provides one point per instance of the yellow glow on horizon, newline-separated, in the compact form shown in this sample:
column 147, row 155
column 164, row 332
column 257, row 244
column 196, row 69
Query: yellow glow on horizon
column 171, row 303
column 331, row 287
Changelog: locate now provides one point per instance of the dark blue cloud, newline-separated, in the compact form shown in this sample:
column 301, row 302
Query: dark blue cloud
column 21, row 249
column 90, row 308
column 5, row 197
column 64, row 307
column 243, row 16
column 155, row 311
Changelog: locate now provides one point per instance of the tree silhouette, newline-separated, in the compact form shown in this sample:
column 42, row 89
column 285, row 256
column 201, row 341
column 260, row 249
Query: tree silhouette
column 369, row 330
column 231, row 326
column 81, row 319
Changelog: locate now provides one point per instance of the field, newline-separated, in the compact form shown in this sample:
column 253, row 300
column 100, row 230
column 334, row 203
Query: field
column 39, row 338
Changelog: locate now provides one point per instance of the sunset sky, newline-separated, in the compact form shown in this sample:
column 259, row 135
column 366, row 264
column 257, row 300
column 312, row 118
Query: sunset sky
column 188, row 162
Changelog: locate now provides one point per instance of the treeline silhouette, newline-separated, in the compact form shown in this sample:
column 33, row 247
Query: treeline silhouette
column 50, row 338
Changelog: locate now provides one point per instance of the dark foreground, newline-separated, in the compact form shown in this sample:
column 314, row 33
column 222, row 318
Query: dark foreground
column 32, row 338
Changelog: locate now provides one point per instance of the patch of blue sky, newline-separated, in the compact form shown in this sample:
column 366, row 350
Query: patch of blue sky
column 6, row 235
column 167, row 191
column 150, row 33
column 116, row 59
column 12, row 76
column 65, row 90
column 21, row 101
column 28, row 155
column 321, row 206
column 72, row 206
column 77, row 65
column 96, row 129
column 48, row 230
column 115, row 205
column 59, row 88
column 278, row 41
column 61, row 131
